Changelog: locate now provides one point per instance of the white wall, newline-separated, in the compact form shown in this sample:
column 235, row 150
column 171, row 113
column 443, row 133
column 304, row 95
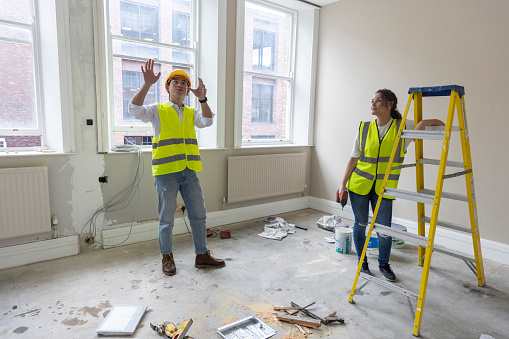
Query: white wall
column 365, row 45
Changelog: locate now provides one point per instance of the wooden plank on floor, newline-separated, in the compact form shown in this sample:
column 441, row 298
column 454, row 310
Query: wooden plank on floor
column 298, row 320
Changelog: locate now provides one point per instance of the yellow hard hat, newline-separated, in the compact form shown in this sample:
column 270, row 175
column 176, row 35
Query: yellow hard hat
column 176, row 73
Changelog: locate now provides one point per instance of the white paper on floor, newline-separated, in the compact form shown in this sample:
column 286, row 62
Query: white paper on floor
column 277, row 229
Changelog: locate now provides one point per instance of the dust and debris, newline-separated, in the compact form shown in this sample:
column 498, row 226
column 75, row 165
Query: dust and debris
column 293, row 334
column 93, row 311
column 74, row 322
column 135, row 284
column 31, row 313
column 231, row 319
column 384, row 293
column 14, row 307
column 263, row 311
column 20, row 330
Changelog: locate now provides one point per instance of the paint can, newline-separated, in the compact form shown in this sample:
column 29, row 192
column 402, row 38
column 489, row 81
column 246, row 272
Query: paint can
column 396, row 242
column 372, row 250
column 343, row 237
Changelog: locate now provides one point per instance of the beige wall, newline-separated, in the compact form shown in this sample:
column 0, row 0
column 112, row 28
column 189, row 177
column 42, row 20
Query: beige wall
column 370, row 44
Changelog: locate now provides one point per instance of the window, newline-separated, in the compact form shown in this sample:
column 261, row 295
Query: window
column 138, row 140
column 20, row 123
column 268, row 43
column 275, row 75
column 180, row 26
column 131, row 82
column 35, row 110
column 128, row 33
column 138, row 33
column 263, row 49
column 262, row 103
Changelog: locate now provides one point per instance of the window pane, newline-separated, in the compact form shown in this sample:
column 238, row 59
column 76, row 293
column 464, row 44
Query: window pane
column 265, row 109
column 18, row 11
column 145, row 51
column 267, row 40
column 18, row 108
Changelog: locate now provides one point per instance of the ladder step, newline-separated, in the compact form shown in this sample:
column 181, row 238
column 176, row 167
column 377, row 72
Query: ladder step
column 453, row 196
column 407, row 236
column 389, row 285
column 426, row 135
column 423, row 197
column 442, row 128
column 447, row 224
column 453, row 253
column 457, row 164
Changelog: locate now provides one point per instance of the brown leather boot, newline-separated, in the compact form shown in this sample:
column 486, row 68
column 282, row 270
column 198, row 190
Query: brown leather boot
column 169, row 264
column 206, row 260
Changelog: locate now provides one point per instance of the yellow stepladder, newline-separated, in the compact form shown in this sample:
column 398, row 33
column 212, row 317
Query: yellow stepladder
column 424, row 196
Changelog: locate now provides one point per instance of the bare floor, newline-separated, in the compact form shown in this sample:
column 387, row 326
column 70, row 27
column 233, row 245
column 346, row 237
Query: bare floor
column 69, row 297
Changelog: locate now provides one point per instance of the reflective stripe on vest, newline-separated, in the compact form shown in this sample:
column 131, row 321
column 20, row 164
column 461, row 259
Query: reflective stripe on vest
column 374, row 159
column 176, row 147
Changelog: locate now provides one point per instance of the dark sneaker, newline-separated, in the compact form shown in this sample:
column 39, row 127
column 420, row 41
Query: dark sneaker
column 387, row 272
column 365, row 268
column 169, row 264
column 207, row 260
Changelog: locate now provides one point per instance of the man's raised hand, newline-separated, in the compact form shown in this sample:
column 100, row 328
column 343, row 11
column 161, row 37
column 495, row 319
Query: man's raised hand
column 148, row 73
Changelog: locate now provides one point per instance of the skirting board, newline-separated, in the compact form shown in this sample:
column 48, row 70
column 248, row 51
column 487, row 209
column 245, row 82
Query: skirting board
column 12, row 256
column 461, row 242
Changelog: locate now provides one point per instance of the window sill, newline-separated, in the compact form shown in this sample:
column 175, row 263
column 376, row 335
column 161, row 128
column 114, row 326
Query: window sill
column 252, row 146
column 149, row 149
column 14, row 154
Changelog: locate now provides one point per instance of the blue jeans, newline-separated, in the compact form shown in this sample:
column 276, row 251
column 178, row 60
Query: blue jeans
column 167, row 186
column 360, row 207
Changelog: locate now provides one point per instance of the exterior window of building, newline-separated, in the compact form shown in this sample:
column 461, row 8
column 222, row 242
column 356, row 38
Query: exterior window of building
column 20, row 116
column 142, row 30
column 132, row 81
column 263, row 49
column 267, row 72
column 180, row 34
column 137, row 140
column 262, row 102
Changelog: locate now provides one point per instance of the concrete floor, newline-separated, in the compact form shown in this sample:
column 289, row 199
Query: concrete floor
column 69, row 297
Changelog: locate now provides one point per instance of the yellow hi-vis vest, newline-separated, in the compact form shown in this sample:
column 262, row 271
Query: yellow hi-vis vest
column 374, row 159
column 176, row 147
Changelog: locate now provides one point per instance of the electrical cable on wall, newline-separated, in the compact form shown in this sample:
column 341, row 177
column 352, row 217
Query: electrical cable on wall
column 120, row 201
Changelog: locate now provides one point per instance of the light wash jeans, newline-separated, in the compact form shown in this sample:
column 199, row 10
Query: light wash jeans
column 167, row 186
column 360, row 207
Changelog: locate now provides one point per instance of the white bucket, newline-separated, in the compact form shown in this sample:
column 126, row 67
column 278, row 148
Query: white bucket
column 372, row 250
column 396, row 242
column 343, row 237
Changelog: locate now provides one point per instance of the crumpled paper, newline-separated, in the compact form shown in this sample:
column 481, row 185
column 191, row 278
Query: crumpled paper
column 277, row 229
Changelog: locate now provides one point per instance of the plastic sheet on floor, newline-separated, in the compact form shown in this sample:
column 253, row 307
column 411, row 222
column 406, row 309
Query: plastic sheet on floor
column 277, row 229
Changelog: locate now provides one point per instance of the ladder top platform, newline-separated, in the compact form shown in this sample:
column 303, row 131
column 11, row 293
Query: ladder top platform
column 438, row 91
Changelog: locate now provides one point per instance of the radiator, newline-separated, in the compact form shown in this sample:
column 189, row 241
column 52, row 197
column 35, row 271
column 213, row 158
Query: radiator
column 262, row 176
column 24, row 201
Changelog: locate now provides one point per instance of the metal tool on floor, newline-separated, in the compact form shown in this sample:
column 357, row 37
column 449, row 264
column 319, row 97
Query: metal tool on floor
column 426, row 196
column 169, row 330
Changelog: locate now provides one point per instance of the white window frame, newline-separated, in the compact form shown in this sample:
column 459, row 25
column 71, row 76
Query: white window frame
column 53, row 77
column 210, row 62
column 303, row 70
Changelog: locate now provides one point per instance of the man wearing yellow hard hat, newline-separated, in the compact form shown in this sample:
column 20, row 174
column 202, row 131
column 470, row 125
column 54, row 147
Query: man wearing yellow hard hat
column 176, row 160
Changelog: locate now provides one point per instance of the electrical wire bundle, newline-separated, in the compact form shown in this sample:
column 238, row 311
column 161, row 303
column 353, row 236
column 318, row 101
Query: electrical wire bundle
column 120, row 201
